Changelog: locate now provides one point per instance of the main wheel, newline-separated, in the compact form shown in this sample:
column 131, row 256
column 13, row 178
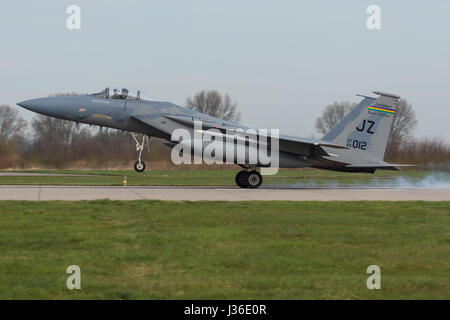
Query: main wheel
column 139, row 166
column 241, row 179
column 254, row 179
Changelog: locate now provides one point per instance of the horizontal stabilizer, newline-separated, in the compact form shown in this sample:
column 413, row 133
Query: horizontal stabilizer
column 331, row 145
column 382, row 166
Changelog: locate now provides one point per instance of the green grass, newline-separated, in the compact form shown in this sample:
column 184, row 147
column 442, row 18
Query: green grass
column 200, row 177
column 224, row 250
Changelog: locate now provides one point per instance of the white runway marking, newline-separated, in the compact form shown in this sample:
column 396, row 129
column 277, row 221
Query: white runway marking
column 74, row 193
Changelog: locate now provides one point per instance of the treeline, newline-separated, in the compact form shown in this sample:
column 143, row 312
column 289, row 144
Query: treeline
column 52, row 143
column 429, row 153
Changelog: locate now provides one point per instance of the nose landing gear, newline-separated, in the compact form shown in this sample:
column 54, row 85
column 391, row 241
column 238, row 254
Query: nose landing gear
column 139, row 165
column 248, row 179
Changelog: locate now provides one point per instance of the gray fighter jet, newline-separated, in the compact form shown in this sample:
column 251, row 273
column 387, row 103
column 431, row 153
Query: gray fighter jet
column 356, row 144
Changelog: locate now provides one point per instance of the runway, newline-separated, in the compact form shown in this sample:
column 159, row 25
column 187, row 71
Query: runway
column 42, row 174
column 74, row 193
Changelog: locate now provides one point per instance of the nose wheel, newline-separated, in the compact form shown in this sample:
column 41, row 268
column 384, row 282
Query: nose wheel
column 139, row 165
column 248, row 179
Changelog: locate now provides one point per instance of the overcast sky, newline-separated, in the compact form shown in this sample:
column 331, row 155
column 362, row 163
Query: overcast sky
column 282, row 61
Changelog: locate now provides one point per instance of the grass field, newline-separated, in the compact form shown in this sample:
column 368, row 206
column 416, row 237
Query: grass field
column 205, row 177
column 229, row 250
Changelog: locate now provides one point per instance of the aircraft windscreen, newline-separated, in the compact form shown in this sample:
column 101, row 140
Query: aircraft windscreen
column 124, row 94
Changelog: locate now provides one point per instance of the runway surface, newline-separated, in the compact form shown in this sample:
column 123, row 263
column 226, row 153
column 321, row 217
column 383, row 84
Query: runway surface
column 72, row 193
column 38, row 174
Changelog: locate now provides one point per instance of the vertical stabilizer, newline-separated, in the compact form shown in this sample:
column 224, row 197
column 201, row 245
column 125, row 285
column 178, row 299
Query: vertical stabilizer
column 367, row 127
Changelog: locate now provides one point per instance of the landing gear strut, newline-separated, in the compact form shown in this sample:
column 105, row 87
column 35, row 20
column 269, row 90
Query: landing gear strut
column 249, row 179
column 139, row 165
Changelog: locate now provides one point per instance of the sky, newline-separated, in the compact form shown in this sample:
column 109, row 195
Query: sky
column 281, row 61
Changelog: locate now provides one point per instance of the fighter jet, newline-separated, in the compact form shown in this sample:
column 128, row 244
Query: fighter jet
column 356, row 144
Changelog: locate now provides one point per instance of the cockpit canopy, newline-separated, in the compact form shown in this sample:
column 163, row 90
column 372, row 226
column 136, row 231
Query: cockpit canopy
column 122, row 94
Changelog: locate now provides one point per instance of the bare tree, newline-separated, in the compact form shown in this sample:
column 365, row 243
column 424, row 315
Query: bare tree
column 332, row 114
column 11, row 124
column 54, row 131
column 211, row 102
column 53, row 141
column 404, row 122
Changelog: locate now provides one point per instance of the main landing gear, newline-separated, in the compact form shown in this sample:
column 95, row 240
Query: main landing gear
column 139, row 165
column 248, row 179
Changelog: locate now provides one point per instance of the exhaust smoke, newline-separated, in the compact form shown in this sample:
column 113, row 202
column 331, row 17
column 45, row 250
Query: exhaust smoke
column 434, row 180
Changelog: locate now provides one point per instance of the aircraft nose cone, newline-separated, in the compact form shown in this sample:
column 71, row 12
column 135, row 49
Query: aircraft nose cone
column 32, row 105
column 49, row 106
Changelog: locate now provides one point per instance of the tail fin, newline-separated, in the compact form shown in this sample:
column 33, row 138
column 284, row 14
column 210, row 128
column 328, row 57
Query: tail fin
column 367, row 127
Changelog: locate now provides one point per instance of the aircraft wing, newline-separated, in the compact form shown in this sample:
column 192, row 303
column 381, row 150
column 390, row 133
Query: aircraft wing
column 289, row 144
column 305, row 146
